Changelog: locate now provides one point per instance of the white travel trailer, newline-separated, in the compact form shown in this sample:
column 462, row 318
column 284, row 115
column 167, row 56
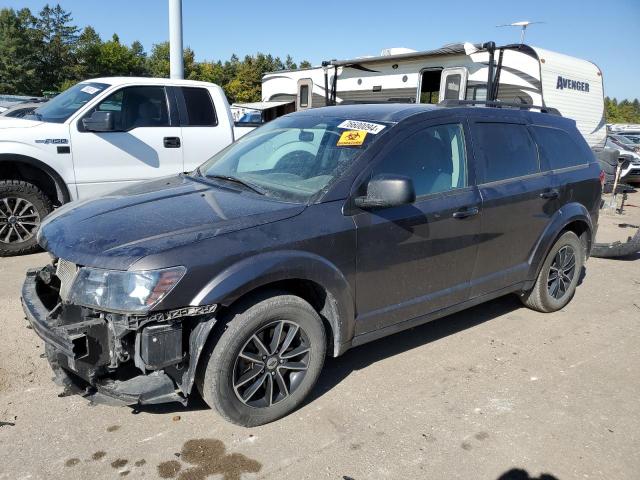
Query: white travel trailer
column 519, row 74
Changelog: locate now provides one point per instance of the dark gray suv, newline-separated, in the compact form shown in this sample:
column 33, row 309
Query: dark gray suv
column 317, row 232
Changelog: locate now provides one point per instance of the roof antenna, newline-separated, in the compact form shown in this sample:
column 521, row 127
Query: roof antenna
column 523, row 24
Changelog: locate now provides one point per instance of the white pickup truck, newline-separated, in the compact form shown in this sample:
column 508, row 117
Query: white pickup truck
column 101, row 135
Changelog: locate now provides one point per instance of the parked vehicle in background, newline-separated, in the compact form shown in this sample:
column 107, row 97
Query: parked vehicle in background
column 21, row 110
column 98, row 136
column 632, row 142
column 518, row 73
column 8, row 101
column 627, row 151
column 251, row 115
column 318, row 232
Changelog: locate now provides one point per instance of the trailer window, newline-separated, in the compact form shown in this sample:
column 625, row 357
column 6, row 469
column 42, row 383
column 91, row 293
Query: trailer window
column 452, row 87
column 304, row 96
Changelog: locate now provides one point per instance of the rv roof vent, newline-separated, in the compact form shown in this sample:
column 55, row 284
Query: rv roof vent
column 395, row 51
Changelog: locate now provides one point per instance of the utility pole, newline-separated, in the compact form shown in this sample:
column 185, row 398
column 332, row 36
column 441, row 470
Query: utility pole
column 176, row 61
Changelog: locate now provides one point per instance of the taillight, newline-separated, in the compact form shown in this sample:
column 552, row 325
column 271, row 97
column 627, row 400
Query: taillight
column 602, row 178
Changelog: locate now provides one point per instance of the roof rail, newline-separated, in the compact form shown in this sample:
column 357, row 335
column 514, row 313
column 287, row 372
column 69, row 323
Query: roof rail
column 499, row 104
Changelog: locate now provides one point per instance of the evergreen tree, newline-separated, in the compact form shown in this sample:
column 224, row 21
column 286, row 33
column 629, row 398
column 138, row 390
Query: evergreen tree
column 57, row 39
column 17, row 58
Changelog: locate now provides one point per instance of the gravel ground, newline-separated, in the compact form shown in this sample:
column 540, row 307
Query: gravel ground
column 473, row 396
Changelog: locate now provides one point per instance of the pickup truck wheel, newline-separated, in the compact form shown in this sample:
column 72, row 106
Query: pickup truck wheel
column 22, row 208
column 265, row 362
column 558, row 277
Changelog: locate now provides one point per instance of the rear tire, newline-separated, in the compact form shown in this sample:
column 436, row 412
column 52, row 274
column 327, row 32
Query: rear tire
column 558, row 277
column 282, row 378
column 23, row 206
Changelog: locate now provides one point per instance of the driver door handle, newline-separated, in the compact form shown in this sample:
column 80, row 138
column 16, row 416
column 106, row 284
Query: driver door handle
column 171, row 142
column 550, row 194
column 466, row 212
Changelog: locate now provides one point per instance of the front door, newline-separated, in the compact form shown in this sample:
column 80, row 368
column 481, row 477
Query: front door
column 518, row 202
column 146, row 144
column 419, row 258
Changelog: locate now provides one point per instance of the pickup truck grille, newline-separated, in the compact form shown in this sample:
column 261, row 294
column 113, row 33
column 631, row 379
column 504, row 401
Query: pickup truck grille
column 66, row 272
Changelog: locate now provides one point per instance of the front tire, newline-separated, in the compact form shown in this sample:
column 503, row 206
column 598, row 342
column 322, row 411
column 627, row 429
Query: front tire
column 23, row 206
column 265, row 362
column 558, row 277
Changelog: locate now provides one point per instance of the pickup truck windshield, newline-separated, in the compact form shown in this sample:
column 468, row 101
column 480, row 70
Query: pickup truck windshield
column 61, row 107
column 291, row 159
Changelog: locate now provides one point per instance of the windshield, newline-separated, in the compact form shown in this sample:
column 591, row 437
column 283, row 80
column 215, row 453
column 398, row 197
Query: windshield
column 291, row 158
column 61, row 107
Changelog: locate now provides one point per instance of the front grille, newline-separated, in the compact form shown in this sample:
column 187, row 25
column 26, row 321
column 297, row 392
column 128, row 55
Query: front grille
column 66, row 272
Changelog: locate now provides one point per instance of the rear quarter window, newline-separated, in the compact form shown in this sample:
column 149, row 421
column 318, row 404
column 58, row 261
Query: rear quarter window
column 557, row 148
column 200, row 109
column 504, row 150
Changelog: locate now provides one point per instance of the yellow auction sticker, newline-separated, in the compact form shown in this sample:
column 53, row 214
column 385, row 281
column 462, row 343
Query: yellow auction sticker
column 352, row 138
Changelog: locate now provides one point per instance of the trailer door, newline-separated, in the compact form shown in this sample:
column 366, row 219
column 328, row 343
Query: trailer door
column 453, row 83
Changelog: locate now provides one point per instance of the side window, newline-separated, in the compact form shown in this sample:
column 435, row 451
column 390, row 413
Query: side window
column 304, row 96
column 434, row 158
column 558, row 148
column 506, row 150
column 452, row 87
column 135, row 107
column 200, row 109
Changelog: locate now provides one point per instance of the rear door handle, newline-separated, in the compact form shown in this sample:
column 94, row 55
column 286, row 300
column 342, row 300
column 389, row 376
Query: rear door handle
column 466, row 212
column 550, row 194
column 171, row 142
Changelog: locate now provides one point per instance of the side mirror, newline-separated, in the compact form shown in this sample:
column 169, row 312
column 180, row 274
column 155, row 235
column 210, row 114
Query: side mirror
column 99, row 122
column 384, row 191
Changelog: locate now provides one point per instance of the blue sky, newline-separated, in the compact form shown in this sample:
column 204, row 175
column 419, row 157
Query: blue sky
column 605, row 32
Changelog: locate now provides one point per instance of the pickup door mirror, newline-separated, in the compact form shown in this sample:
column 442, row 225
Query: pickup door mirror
column 387, row 190
column 99, row 122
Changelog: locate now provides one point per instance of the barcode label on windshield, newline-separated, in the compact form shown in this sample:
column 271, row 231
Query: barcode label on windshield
column 372, row 128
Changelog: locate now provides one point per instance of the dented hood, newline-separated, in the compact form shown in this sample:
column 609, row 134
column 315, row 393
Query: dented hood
column 117, row 230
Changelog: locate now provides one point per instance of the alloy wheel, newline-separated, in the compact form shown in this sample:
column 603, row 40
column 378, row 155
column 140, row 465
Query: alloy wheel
column 271, row 365
column 561, row 272
column 19, row 220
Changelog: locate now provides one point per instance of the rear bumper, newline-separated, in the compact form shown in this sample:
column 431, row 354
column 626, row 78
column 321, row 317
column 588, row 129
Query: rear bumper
column 67, row 345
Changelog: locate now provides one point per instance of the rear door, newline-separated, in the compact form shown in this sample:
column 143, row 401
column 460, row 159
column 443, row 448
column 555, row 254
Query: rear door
column 518, row 201
column 203, row 132
column 146, row 144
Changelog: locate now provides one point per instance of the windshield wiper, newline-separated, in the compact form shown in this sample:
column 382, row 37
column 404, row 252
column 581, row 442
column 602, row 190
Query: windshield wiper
column 237, row 180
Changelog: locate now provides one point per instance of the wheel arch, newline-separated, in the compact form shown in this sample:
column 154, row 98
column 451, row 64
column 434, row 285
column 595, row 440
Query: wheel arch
column 571, row 217
column 29, row 169
column 306, row 275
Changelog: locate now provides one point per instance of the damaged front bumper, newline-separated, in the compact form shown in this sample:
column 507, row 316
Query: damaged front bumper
column 115, row 358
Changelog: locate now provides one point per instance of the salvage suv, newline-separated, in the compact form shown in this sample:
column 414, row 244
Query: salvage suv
column 317, row 232
column 98, row 136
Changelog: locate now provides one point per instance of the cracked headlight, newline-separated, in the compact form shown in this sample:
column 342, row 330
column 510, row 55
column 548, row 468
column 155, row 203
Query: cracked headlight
column 122, row 291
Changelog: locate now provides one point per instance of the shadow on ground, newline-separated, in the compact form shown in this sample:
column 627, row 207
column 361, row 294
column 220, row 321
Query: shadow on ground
column 519, row 474
column 337, row 369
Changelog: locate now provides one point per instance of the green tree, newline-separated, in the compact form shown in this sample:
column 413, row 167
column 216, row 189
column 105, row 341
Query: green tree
column 158, row 61
column 87, row 54
column 57, row 40
column 17, row 52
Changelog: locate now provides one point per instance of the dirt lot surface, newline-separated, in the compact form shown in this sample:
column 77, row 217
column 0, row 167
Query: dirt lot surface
column 471, row 396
